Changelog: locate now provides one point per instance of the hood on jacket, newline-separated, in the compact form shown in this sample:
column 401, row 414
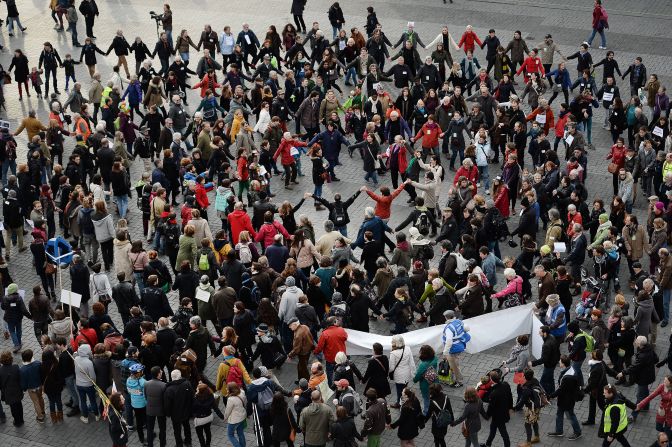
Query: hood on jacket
column 84, row 351
column 118, row 243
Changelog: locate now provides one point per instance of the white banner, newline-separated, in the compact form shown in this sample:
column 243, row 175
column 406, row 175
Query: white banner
column 486, row 331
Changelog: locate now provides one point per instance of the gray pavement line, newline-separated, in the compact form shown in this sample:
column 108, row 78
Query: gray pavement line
column 612, row 12
column 24, row 441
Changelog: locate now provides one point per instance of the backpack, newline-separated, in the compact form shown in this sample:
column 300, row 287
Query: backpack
column 462, row 263
column 423, row 223
column 590, row 341
column 172, row 235
column 539, row 398
column 244, row 253
column 339, row 216
column 443, row 372
column 427, row 252
column 203, row 263
column 235, row 374
column 501, row 228
column 265, row 398
column 357, row 407
column 430, row 375
column 255, row 293
column 444, row 418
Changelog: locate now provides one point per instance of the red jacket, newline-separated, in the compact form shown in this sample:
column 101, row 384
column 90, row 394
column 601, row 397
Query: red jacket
column 401, row 158
column 617, row 155
column 205, row 84
column 268, row 231
column 285, row 151
column 243, row 170
column 550, row 119
column 185, row 214
column 88, row 335
column 531, row 65
column 202, row 196
column 471, row 175
column 599, row 13
column 383, row 203
column 502, row 201
column 430, row 135
column 560, row 125
column 331, row 342
column 468, row 39
column 239, row 221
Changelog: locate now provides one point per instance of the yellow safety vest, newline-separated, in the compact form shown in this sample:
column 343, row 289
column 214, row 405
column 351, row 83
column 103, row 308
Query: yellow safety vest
column 622, row 422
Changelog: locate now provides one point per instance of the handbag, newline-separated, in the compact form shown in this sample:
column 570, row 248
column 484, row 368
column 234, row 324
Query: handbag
column 465, row 430
column 49, row 268
column 519, row 378
column 612, row 168
column 292, row 431
column 557, row 88
column 6, row 79
column 279, row 359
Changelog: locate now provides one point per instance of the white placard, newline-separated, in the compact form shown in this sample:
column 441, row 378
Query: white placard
column 202, row 295
column 541, row 119
column 559, row 247
column 71, row 298
column 2, row 226
column 658, row 131
column 608, row 97
column 248, row 40
column 569, row 139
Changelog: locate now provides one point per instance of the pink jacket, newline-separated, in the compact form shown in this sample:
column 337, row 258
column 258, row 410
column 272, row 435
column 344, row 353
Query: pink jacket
column 268, row 231
column 515, row 285
column 665, row 404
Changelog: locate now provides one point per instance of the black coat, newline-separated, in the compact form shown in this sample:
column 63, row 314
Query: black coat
column 244, row 325
column 10, row 384
column 359, row 313
column 199, row 340
column 178, row 400
column 154, row 303
column 567, row 392
column 344, row 432
column 15, row 308
column 376, row 376
column 124, row 296
column 643, row 368
column 501, row 401
column 407, row 424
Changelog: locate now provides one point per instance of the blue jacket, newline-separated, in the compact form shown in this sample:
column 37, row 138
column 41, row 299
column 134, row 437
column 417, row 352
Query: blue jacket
column 577, row 253
column 561, row 77
column 134, row 93
column 158, row 176
column 136, row 389
column 460, row 338
column 31, row 376
column 331, row 143
column 374, row 225
column 558, row 332
column 489, row 266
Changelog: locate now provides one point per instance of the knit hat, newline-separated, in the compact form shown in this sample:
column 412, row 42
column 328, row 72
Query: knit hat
column 290, row 281
column 292, row 321
column 545, row 250
column 553, row 299
column 659, row 205
column 303, row 384
column 573, row 327
column 417, row 265
column 337, row 297
column 343, row 383
column 245, row 277
column 205, row 279
column 12, row 288
column 603, row 217
column 449, row 314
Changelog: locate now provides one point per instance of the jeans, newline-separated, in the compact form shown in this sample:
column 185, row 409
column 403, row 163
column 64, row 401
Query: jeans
column 667, row 293
column 351, row 74
column 73, row 31
column 603, row 38
column 425, row 403
column 55, row 402
column 150, row 430
column 90, row 392
column 14, row 329
column 559, row 419
column 8, row 165
column 547, row 381
column 343, row 230
column 317, row 192
column 122, row 205
column 373, row 176
column 90, row 245
column 72, row 389
column 400, row 388
column 139, row 281
column 577, row 371
column 330, row 372
column 10, row 24
column 484, row 176
column 455, row 151
column 236, row 434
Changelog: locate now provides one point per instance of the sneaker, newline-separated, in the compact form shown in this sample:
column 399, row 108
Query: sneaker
column 574, row 436
column 663, row 324
column 535, row 440
column 556, row 434
column 84, row 419
column 602, row 48
column 96, row 417
column 585, row 423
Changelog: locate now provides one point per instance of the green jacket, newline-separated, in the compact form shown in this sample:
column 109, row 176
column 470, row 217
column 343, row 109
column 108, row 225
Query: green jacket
column 420, row 372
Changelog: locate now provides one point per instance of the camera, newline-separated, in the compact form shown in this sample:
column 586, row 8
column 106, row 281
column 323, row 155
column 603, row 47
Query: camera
column 155, row 16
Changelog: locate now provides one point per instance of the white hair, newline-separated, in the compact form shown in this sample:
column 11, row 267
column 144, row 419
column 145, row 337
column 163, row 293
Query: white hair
column 369, row 212
column 509, row 273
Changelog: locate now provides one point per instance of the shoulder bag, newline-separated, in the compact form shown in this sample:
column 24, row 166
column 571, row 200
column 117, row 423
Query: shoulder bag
column 391, row 374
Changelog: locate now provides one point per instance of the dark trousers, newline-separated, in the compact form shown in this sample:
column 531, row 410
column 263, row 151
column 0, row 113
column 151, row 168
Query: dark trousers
column 47, row 71
column 596, row 400
column 178, row 426
column 89, row 25
column 107, row 249
column 290, row 173
column 204, row 434
column 151, row 420
column 620, row 437
column 302, row 367
column 501, row 426
column 140, row 421
column 300, row 24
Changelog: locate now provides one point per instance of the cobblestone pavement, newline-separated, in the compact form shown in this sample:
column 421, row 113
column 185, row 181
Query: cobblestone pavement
column 637, row 28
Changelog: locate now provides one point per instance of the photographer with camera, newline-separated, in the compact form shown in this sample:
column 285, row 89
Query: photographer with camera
column 166, row 20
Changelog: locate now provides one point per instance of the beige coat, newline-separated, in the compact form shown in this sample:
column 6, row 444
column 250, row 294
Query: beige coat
column 122, row 263
column 202, row 230
column 95, row 91
column 636, row 243
column 304, row 255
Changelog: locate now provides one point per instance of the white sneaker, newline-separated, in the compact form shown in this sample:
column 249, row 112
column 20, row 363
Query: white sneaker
column 602, row 48
column 84, row 419
column 478, row 185
column 487, row 192
column 96, row 417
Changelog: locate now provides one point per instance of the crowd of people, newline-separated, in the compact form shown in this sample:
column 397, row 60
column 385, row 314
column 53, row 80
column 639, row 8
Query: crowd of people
column 456, row 137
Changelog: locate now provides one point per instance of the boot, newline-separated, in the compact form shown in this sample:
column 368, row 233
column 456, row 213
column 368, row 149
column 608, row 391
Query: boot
column 535, row 440
column 54, row 417
column 59, row 416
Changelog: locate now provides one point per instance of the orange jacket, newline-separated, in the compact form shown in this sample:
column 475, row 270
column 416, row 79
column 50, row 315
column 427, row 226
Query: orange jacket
column 430, row 135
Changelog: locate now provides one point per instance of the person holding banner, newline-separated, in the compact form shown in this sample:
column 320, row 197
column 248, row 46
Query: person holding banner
column 455, row 339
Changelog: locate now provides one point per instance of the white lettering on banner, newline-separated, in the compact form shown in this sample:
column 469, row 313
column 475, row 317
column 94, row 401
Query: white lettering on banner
column 541, row 118
column 510, row 323
column 608, row 97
